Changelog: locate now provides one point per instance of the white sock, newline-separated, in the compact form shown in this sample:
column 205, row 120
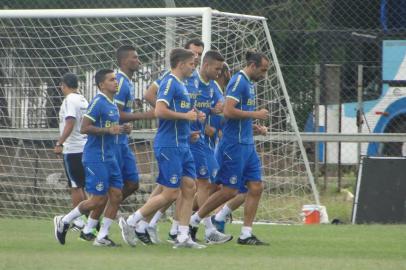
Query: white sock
column 174, row 227
column 183, row 233
column 155, row 219
column 245, row 232
column 71, row 215
column 209, row 227
column 195, row 220
column 141, row 226
column 104, row 230
column 91, row 223
column 222, row 214
column 134, row 218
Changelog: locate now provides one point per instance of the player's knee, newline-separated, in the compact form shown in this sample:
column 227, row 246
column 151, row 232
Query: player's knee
column 171, row 195
column 255, row 188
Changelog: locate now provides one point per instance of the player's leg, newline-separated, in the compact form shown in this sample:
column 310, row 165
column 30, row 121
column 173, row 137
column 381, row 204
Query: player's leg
column 97, row 183
column 170, row 171
column 252, row 179
column 76, row 181
column 219, row 219
column 114, row 200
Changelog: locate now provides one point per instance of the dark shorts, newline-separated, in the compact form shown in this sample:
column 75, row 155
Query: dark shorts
column 74, row 170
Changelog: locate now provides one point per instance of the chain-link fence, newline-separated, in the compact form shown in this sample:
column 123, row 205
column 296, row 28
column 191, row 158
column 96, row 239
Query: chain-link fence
column 343, row 62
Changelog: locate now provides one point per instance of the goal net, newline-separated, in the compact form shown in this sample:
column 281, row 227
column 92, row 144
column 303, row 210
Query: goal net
column 38, row 47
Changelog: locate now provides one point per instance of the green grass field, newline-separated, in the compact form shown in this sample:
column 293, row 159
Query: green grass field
column 30, row 244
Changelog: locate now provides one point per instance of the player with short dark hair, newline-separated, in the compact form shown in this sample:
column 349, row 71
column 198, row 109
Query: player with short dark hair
column 103, row 175
column 240, row 166
column 70, row 142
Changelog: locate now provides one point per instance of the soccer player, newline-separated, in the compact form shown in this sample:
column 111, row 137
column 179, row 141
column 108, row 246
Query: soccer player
column 203, row 94
column 197, row 47
column 70, row 142
column 239, row 163
column 103, row 175
column 172, row 151
column 128, row 62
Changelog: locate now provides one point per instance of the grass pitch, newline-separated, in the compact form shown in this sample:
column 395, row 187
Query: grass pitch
column 30, row 244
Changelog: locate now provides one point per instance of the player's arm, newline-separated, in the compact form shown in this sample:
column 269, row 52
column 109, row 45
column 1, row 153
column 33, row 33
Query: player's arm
column 230, row 111
column 88, row 128
column 128, row 117
column 69, row 124
column 162, row 111
column 150, row 95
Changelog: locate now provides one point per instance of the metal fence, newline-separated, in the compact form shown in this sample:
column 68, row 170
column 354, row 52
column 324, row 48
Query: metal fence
column 344, row 63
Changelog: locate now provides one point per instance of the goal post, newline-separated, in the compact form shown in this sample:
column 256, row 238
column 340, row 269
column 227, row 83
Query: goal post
column 38, row 46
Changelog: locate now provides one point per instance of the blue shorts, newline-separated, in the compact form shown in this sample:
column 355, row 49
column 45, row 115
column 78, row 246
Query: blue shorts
column 205, row 162
column 173, row 164
column 239, row 164
column 100, row 176
column 127, row 163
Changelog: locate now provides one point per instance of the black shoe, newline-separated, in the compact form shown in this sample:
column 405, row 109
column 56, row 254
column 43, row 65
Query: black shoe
column 252, row 241
column 144, row 238
column 60, row 229
column 87, row 236
column 193, row 232
column 172, row 238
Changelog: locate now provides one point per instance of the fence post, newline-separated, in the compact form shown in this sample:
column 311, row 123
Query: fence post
column 360, row 109
column 317, row 121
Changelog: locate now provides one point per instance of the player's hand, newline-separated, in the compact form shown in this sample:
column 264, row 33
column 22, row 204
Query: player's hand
column 259, row 130
column 116, row 129
column 262, row 114
column 191, row 115
column 58, row 149
column 127, row 128
column 209, row 130
column 194, row 136
column 218, row 108
column 201, row 116
column 150, row 114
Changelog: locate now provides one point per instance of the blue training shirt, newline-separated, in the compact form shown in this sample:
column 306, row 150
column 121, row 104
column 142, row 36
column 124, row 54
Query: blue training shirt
column 241, row 89
column 103, row 113
column 215, row 120
column 173, row 133
column 203, row 98
column 125, row 97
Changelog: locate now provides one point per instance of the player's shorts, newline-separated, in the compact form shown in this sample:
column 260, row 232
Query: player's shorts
column 127, row 163
column 100, row 176
column 74, row 170
column 239, row 164
column 205, row 162
column 174, row 163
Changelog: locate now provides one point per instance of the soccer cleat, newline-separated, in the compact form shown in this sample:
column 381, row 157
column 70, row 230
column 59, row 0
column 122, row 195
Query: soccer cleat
column 171, row 238
column 217, row 237
column 153, row 234
column 127, row 232
column 78, row 224
column 193, row 232
column 252, row 241
column 188, row 243
column 144, row 238
column 220, row 225
column 60, row 229
column 104, row 242
column 87, row 236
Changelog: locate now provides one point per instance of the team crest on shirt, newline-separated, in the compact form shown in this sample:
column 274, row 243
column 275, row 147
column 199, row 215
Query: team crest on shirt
column 252, row 91
column 196, row 83
column 233, row 179
column 174, row 179
column 203, row 170
column 211, row 92
column 111, row 113
column 100, row 186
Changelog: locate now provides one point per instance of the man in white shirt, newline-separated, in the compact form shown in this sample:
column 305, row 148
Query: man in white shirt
column 70, row 142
